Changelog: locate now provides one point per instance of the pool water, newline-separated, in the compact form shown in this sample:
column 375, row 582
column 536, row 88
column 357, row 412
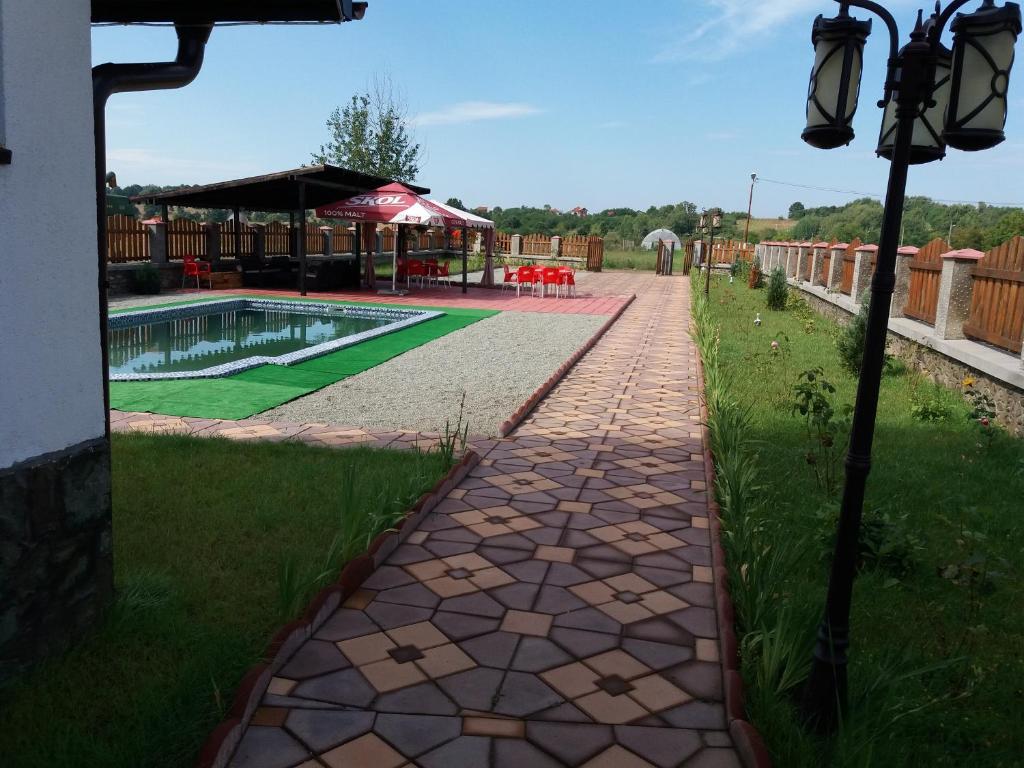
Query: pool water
column 188, row 344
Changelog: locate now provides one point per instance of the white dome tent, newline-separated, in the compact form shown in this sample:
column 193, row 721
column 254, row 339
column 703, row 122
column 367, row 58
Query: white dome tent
column 667, row 235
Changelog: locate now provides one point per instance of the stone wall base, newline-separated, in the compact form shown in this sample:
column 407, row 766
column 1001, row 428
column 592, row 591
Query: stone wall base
column 56, row 563
column 944, row 370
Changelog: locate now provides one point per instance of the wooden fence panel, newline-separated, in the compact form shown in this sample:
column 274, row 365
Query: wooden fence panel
column 997, row 298
column 826, row 263
column 227, row 240
column 536, row 245
column 277, row 239
column 127, row 239
column 595, row 253
column 849, row 258
column 185, row 238
column 503, row 242
column 925, row 273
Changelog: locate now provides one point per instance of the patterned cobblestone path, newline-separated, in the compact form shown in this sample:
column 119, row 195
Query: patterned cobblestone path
column 556, row 609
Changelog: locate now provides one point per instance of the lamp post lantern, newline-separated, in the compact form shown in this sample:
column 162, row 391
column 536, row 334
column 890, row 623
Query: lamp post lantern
column 921, row 77
column 709, row 222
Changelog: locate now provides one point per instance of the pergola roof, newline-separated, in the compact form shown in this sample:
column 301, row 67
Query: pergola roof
column 206, row 11
column 323, row 184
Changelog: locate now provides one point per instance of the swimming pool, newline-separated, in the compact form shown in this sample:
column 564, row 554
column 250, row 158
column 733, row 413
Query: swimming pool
column 220, row 338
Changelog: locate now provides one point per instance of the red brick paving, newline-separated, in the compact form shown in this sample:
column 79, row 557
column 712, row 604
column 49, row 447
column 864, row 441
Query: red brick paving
column 599, row 294
column 557, row 609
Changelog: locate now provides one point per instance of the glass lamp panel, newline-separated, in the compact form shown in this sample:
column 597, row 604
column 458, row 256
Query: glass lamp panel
column 983, row 57
column 928, row 144
column 835, row 80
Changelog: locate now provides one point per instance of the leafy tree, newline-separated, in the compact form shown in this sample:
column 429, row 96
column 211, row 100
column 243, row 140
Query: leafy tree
column 796, row 210
column 371, row 134
column 454, row 202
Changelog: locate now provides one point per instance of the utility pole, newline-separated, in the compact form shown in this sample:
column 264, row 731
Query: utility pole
column 750, row 206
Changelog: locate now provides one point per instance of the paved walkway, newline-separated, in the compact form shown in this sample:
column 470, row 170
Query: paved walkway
column 556, row 609
column 597, row 294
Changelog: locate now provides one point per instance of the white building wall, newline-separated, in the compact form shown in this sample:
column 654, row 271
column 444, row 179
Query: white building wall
column 50, row 364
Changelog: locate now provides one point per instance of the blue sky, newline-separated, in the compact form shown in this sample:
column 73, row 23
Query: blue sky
column 566, row 102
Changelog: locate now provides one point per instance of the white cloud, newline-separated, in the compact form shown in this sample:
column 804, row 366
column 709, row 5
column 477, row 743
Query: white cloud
column 474, row 111
column 152, row 166
column 734, row 24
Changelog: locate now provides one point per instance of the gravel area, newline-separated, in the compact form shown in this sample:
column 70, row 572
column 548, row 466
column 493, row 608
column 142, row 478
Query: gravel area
column 498, row 362
column 121, row 302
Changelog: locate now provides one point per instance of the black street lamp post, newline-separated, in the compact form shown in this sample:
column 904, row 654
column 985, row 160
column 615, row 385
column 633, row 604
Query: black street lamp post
column 923, row 78
column 709, row 222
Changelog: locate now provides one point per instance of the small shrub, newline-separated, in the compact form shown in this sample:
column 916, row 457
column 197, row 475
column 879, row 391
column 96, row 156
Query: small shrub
column 885, row 542
column 983, row 409
column 931, row 408
column 850, row 342
column 146, row 280
column 778, row 290
column 756, row 279
column 813, row 403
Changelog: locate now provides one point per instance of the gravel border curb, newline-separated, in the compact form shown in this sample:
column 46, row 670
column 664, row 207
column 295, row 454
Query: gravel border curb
column 220, row 745
column 746, row 739
column 523, row 411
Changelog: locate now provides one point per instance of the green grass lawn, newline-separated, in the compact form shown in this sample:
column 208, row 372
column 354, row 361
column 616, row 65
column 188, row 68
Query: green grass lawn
column 943, row 587
column 216, row 545
column 639, row 260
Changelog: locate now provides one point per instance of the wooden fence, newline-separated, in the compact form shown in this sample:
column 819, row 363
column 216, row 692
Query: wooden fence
column 826, row 263
column 127, row 239
column 997, row 297
column 728, row 251
column 849, row 256
column 925, row 274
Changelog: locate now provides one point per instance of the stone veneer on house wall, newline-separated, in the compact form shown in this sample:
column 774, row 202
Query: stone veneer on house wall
column 56, row 566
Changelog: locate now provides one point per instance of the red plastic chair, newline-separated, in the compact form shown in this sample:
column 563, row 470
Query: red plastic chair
column 415, row 269
column 567, row 277
column 197, row 269
column 551, row 276
column 441, row 274
column 511, row 278
column 525, row 276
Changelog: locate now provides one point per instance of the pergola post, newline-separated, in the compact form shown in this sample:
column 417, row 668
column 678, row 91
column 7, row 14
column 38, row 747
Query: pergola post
column 465, row 259
column 302, row 239
column 238, row 232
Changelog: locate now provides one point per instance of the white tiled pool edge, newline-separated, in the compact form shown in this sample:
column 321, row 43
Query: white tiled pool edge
column 404, row 318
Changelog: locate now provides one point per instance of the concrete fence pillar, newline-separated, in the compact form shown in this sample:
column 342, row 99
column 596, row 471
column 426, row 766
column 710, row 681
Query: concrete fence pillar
column 834, row 279
column 212, row 231
column 158, row 242
column 328, row 233
column 817, row 262
column 792, row 253
column 862, row 269
column 556, row 247
column 478, row 241
column 517, row 246
column 803, row 256
column 901, row 290
column 954, row 305
column 259, row 241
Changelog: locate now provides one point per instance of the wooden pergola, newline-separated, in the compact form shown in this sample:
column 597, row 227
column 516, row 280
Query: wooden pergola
column 295, row 192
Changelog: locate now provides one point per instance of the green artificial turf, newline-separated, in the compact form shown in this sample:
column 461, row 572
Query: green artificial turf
column 942, row 596
column 268, row 386
column 202, row 532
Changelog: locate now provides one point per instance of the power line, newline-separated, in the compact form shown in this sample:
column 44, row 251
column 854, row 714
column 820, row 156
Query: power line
column 879, row 197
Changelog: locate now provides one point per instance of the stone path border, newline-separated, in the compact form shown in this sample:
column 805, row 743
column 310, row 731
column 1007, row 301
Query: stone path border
column 315, row 433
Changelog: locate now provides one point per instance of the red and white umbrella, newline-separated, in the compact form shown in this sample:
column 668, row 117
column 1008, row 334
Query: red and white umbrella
column 391, row 204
